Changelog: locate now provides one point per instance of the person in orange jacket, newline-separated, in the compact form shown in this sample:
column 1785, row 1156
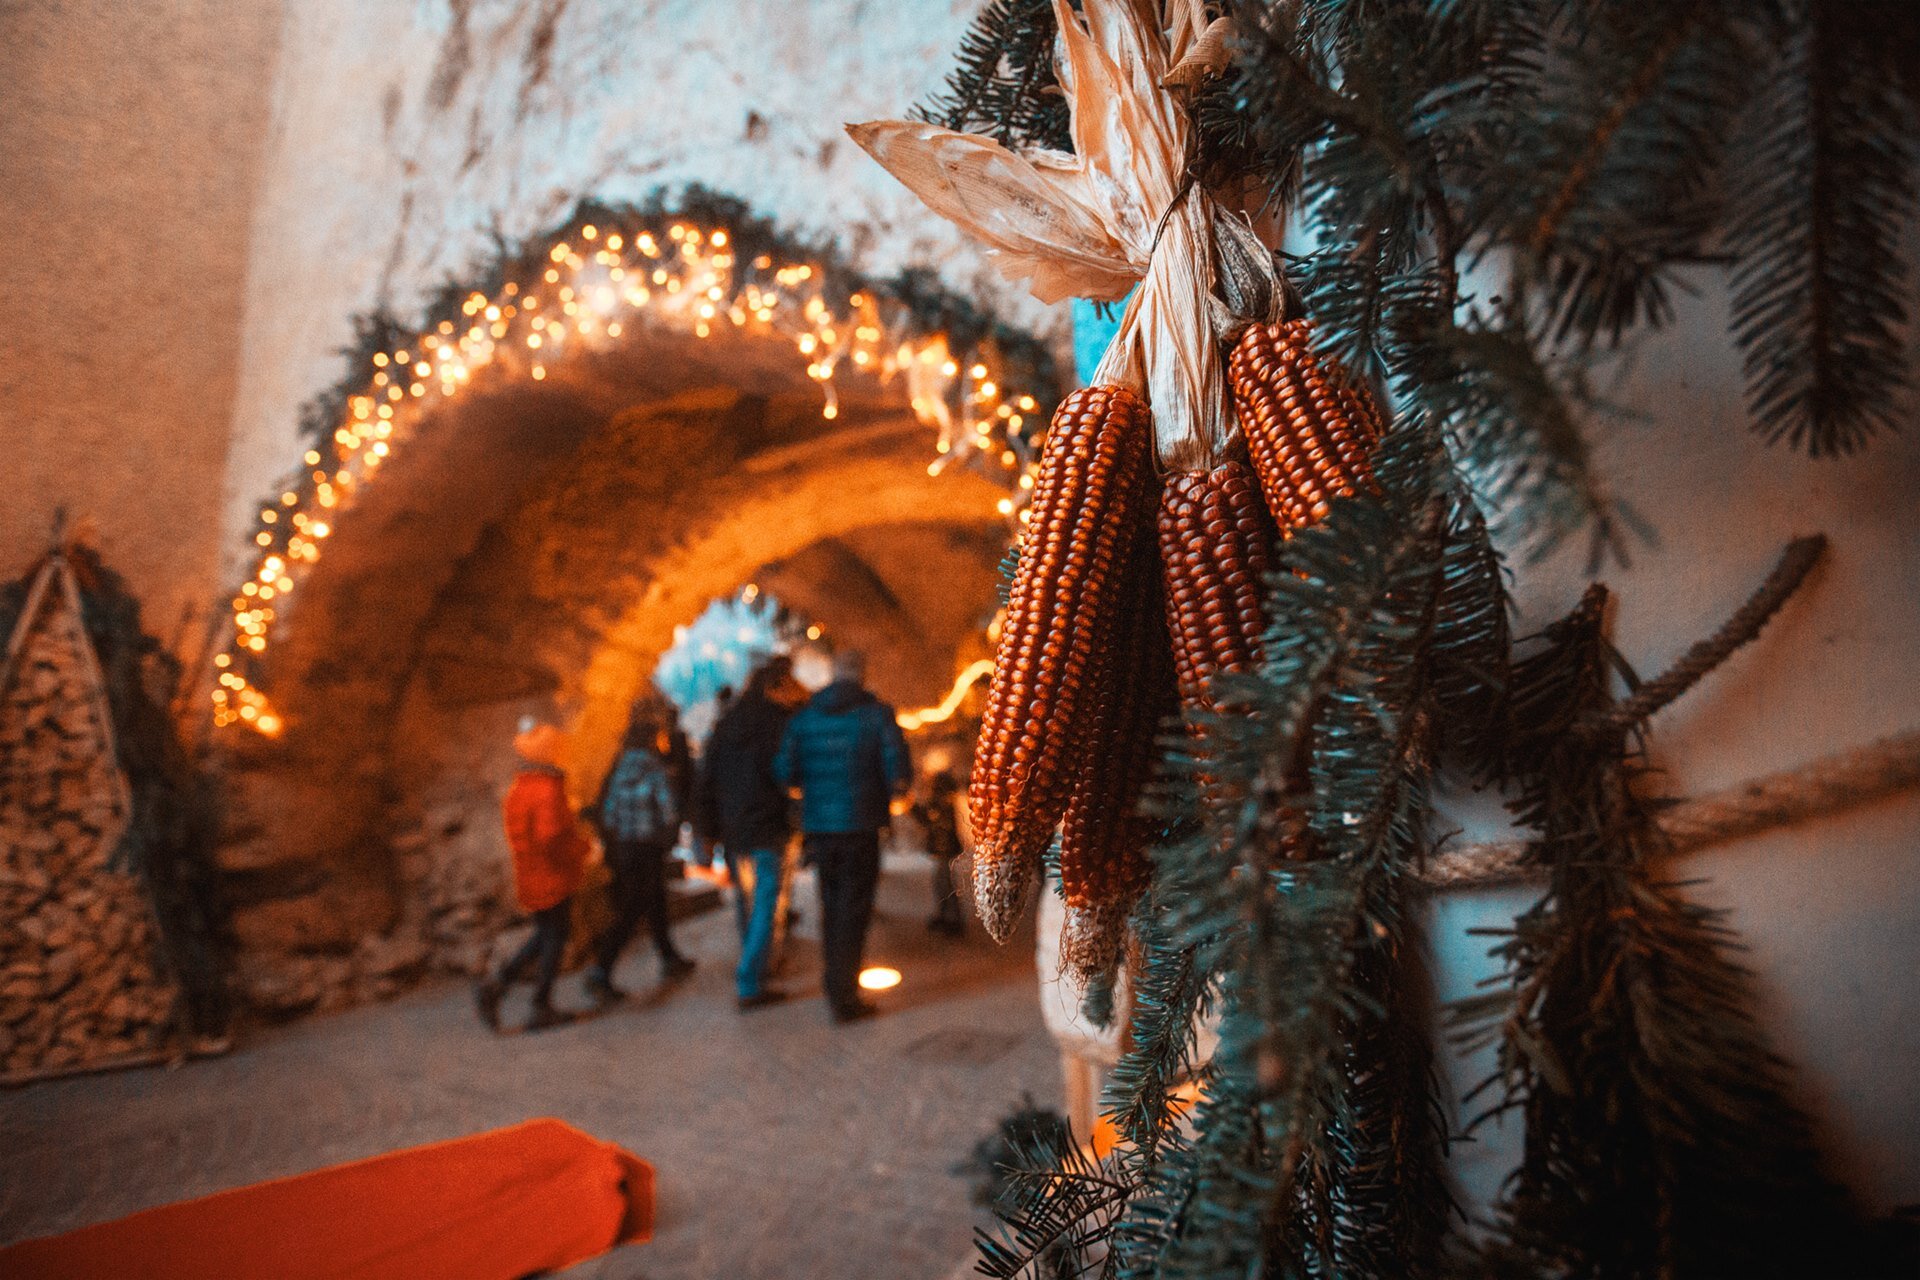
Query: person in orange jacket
column 549, row 862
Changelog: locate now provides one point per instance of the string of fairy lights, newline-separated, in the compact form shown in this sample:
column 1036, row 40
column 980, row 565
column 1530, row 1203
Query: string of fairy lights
column 597, row 285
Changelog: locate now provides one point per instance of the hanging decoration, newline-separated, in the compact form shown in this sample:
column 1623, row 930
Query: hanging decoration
column 1102, row 628
column 609, row 274
column 1597, row 152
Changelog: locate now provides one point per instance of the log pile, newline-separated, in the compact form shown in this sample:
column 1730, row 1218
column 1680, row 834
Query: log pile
column 82, row 982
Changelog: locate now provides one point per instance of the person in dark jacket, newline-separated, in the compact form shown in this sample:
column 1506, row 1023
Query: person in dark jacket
column 638, row 816
column 845, row 754
column 739, row 803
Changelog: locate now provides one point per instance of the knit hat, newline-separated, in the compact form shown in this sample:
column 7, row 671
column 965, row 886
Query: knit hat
column 539, row 743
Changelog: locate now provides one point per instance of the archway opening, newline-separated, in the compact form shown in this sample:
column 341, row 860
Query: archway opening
column 533, row 548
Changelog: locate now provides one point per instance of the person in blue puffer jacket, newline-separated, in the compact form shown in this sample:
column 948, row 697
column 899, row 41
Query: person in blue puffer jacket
column 845, row 754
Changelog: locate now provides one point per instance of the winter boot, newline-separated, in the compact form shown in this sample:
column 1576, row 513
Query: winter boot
column 600, row 988
column 486, row 998
column 545, row 1016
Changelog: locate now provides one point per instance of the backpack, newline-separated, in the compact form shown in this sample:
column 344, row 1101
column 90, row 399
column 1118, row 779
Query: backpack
column 637, row 803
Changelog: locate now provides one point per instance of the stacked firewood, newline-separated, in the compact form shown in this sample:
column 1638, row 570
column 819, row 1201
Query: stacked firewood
column 81, row 979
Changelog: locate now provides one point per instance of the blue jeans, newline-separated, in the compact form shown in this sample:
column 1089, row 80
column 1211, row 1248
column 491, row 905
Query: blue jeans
column 756, row 921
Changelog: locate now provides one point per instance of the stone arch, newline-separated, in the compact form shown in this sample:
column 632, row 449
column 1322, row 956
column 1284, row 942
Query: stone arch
column 884, row 469
column 533, row 548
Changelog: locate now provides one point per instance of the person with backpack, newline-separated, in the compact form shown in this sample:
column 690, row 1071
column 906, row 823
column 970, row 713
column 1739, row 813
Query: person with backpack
column 638, row 816
column 549, row 862
column 845, row 754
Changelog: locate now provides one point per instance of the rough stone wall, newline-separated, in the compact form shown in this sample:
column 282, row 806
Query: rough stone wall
column 914, row 598
column 130, row 137
column 532, row 550
column 405, row 134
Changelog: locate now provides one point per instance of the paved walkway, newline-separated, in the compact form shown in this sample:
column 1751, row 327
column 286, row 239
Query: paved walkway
column 786, row 1148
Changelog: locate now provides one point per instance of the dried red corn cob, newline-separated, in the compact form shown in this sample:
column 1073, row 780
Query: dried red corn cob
column 1311, row 432
column 1088, row 501
column 1103, row 839
column 1216, row 549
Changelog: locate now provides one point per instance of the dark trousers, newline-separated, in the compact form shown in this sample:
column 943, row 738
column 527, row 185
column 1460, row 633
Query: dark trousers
column 639, row 890
column 542, row 951
column 848, row 865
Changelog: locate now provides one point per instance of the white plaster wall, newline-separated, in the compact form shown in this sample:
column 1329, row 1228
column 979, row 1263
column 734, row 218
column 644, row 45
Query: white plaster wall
column 130, row 140
column 404, row 130
column 1830, row 910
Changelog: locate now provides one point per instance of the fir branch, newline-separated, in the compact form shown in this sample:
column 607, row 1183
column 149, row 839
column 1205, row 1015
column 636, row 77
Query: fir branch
column 1169, row 994
column 1795, row 563
column 1057, row 1206
column 1617, row 186
column 1516, row 422
column 1821, row 279
column 1004, row 86
column 1471, row 639
column 1586, row 164
column 1295, row 1156
column 1660, row 1135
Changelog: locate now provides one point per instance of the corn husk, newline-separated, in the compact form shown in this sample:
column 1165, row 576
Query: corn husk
column 1118, row 212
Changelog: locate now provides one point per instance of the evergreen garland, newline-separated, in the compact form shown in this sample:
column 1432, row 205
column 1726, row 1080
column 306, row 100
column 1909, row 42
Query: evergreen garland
column 1598, row 154
column 1004, row 86
column 916, row 296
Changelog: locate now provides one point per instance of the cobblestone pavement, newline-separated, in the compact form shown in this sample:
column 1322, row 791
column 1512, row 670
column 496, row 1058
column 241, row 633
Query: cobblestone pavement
column 786, row 1148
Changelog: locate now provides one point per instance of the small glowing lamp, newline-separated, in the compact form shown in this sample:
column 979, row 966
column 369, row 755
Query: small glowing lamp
column 879, row 978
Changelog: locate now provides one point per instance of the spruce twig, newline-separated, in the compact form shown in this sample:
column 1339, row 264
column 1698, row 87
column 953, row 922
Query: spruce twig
column 1795, row 563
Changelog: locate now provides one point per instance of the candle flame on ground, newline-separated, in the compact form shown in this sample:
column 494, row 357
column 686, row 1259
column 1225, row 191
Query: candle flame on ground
column 879, row 978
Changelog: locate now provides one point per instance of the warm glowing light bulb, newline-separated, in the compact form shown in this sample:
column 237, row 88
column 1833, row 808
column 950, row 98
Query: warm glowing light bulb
column 879, row 978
